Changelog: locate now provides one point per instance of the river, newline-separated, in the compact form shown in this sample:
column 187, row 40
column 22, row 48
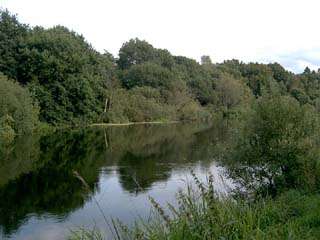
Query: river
column 40, row 197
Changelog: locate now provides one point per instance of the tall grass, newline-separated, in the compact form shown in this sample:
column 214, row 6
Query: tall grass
column 203, row 214
column 83, row 234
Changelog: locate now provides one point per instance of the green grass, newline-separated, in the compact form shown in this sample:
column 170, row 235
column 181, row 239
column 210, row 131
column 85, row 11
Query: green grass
column 201, row 214
column 83, row 234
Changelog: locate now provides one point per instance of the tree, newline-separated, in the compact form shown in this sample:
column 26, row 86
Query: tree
column 310, row 85
column 65, row 74
column 199, row 79
column 281, row 75
column 148, row 74
column 230, row 92
column 135, row 52
column 12, row 36
column 278, row 147
column 206, row 60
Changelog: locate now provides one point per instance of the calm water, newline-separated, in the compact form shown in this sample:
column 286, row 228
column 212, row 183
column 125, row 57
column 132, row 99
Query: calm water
column 41, row 199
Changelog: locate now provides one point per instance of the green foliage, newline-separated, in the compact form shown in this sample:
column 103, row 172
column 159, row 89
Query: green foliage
column 279, row 144
column 64, row 74
column 136, row 105
column 58, row 76
column 85, row 234
column 310, row 83
column 203, row 215
column 148, row 74
column 300, row 95
column 12, row 35
column 277, row 148
column 18, row 114
column 230, row 92
column 72, row 83
column 6, row 131
column 281, row 75
column 137, row 51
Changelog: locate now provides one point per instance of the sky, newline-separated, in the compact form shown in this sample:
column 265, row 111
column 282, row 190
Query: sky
column 284, row 31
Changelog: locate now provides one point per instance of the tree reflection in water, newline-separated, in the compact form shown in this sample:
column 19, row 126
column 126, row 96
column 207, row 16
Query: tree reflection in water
column 38, row 175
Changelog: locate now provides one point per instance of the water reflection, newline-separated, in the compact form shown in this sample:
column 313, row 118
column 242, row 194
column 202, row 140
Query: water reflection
column 38, row 188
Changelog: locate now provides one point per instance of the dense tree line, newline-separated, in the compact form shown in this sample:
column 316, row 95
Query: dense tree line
column 63, row 79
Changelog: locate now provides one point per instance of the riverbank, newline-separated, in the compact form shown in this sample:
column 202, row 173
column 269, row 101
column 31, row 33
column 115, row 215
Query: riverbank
column 272, row 156
column 202, row 214
column 132, row 123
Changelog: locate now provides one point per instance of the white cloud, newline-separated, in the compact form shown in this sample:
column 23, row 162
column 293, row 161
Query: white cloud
column 248, row 30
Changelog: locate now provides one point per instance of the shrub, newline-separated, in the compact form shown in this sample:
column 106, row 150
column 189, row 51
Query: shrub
column 278, row 146
column 18, row 114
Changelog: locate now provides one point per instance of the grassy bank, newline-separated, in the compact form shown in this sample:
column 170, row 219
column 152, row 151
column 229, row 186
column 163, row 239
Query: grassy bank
column 202, row 214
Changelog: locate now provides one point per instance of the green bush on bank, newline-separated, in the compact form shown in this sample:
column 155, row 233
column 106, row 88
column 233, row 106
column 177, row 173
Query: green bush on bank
column 277, row 146
column 18, row 113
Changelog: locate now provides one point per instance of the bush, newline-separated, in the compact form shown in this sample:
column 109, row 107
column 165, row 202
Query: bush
column 18, row 114
column 137, row 105
column 278, row 146
column 6, row 131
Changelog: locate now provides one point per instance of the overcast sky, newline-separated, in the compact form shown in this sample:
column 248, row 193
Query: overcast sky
column 249, row 30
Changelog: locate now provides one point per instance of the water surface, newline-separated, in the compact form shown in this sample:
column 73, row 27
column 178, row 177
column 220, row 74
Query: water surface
column 40, row 198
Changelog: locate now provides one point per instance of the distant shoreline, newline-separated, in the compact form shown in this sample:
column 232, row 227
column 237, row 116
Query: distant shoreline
column 131, row 123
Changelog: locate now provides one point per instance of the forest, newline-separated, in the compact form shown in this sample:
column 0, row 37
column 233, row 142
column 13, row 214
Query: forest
column 55, row 77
